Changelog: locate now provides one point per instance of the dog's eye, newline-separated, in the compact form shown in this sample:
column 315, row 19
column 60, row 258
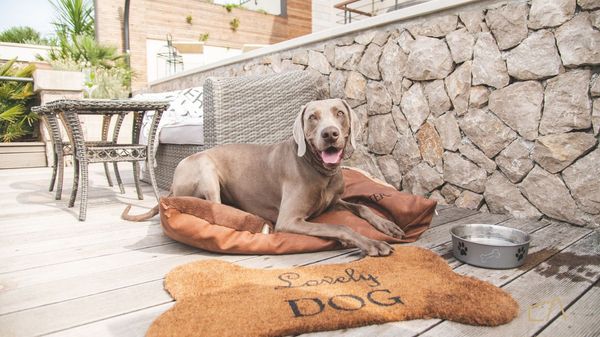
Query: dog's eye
column 312, row 117
column 340, row 113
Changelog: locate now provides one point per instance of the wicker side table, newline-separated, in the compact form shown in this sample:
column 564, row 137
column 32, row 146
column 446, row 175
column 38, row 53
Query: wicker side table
column 85, row 153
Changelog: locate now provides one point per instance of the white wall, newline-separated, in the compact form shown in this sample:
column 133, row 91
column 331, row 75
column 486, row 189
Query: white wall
column 23, row 52
column 324, row 14
column 155, row 69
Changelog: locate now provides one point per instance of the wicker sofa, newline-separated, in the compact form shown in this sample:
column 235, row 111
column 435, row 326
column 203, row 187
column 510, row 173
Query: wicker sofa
column 252, row 109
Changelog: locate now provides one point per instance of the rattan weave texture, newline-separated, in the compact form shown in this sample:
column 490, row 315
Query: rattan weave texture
column 251, row 109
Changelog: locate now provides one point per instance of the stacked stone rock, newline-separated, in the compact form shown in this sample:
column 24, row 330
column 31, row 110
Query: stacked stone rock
column 495, row 109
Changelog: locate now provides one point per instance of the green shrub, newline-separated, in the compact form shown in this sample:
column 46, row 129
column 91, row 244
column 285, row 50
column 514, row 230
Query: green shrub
column 23, row 35
column 17, row 122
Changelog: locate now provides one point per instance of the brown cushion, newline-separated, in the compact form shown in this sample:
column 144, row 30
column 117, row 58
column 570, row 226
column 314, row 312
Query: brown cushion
column 224, row 229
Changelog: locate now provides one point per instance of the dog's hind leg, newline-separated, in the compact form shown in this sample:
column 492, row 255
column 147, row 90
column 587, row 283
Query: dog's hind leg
column 197, row 176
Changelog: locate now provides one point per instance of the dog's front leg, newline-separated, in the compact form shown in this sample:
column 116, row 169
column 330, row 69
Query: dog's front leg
column 292, row 219
column 382, row 224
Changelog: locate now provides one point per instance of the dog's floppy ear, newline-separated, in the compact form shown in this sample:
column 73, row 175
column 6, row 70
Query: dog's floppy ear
column 298, row 132
column 354, row 125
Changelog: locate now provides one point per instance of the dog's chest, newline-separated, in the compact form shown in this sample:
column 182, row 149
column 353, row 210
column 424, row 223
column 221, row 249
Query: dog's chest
column 325, row 196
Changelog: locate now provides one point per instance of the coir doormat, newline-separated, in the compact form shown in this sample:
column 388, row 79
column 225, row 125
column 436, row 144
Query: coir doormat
column 215, row 298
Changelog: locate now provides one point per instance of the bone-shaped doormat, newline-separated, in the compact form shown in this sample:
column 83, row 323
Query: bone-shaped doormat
column 216, row 298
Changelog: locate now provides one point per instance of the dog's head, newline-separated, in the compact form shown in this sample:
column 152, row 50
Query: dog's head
column 327, row 126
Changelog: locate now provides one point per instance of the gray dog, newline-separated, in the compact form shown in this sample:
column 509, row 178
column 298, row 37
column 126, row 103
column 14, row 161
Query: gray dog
column 287, row 182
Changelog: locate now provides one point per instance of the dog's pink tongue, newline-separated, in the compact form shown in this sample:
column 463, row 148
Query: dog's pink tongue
column 331, row 157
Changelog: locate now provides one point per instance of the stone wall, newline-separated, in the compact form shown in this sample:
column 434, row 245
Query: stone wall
column 493, row 107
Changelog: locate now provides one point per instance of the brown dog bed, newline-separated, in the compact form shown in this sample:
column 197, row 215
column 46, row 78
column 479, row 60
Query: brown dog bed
column 221, row 228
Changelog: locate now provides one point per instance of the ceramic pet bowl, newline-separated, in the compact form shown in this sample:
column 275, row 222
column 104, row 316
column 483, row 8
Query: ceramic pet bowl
column 490, row 246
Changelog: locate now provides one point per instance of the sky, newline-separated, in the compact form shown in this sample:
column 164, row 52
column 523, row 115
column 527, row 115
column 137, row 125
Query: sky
column 37, row 14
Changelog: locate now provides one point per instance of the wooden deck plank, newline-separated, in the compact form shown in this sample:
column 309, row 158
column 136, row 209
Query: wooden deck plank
column 542, row 293
column 580, row 319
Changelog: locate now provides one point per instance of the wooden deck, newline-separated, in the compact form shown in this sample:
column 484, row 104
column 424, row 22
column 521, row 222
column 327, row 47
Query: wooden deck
column 103, row 277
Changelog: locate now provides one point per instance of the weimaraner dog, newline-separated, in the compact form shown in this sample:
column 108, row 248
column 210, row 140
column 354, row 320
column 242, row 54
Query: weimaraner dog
column 287, row 182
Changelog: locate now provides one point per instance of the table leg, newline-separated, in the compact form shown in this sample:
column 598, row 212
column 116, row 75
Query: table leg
column 150, row 152
column 84, row 190
column 60, row 163
column 136, row 179
column 54, row 169
column 118, row 177
column 115, row 138
column 105, row 126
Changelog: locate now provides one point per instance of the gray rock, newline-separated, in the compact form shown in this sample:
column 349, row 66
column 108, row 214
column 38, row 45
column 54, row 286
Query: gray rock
column 382, row 134
column 504, row 198
column 508, row 24
column 488, row 66
column 319, row 62
column 473, row 20
column 438, row 197
column 337, row 83
column 595, row 87
column 356, row 85
column 414, row 106
column 589, row 4
column 583, row 182
column 535, row 58
column 381, row 37
column 430, row 145
column 450, row 193
column 578, row 42
column 555, row 152
column 345, row 40
column 368, row 63
column 475, row 155
column 514, row 161
column 347, row 57
column 366, row 37
column 458, row 85
column 329, row 53
column 406, row 153
column 469, row 200
column 405, row 41
column 566, row 103
column 519, row 105
column 448, row 130
column 478, row 96
column 544, row 13
column 596, row 116
column 400, row 121
column 438, row 100
column 461, row 45
column 363, row 118
column 549, row 194
column 595, row 19
column 390, row 170
column 300, row 56
column 486, row 131
column 463, row 173
column 435, row 26
column 379, row 100
column 361, row 159
column 429, row 59
column 289, row 65
column 422, row 179
column 391, row 65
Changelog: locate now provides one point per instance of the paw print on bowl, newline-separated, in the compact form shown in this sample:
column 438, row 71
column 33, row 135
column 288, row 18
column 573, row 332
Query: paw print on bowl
column 520, row 253
column 462, row 248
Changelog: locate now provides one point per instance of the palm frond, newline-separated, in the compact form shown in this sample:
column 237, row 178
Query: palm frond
column 12, row 114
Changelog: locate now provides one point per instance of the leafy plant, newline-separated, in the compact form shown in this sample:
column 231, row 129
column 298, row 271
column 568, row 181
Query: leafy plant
column 23, row 35
column 203, row 37
column 74, row 17
column 234, row 24
column 16, row 120
column 188, row 19
column 229, row 7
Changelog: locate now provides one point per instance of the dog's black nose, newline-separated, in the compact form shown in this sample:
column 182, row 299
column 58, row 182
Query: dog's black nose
column 330, row 133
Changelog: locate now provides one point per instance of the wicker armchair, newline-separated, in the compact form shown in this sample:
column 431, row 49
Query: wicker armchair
column 253, row 109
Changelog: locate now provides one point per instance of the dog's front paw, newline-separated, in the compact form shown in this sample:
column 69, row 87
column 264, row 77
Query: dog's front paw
column 387, row 227
column 376, row 248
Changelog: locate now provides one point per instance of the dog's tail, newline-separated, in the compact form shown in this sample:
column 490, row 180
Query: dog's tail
column 140, row 217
